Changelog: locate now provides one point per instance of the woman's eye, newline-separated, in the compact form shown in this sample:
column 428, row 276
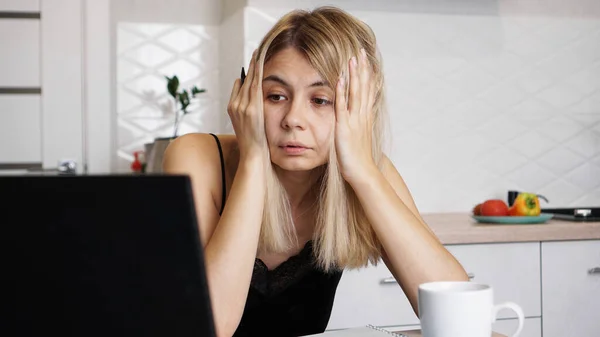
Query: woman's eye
column 321, row 101
column 276, row 98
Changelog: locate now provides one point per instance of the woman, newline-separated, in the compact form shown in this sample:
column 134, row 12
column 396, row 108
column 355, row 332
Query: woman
column 303, row 189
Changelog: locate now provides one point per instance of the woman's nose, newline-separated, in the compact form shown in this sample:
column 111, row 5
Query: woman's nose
column 294, row 117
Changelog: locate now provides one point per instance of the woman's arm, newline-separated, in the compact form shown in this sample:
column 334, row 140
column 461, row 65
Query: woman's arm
column 230, row 241
column 412, row 252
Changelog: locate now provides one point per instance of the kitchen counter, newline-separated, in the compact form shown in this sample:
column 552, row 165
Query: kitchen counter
column 417, row 333
column 461, row 228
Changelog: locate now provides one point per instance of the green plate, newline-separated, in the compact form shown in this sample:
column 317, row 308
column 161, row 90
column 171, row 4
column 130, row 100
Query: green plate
column 514, row 219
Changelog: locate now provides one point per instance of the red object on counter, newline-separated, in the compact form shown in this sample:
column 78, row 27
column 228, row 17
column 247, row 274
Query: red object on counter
column 136, row 165
column 494, row 207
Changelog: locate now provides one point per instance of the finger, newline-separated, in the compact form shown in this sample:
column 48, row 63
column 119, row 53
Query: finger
column 256, row 84
column 233, row 102
column 365, row 82
column 341, row 110
column 235, row 90
column 354, row 92
column 251, row 69
column 245, row 91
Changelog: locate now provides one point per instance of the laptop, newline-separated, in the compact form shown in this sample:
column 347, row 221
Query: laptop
column 102, row 256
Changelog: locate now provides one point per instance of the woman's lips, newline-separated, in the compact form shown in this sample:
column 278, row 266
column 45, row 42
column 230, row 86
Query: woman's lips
column 294, row 150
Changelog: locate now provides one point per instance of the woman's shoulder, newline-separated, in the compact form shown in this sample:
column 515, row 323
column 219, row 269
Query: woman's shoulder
column 202, row 145
column 200, row 151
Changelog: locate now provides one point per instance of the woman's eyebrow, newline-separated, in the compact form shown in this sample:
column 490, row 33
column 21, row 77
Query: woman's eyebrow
column 279, row 80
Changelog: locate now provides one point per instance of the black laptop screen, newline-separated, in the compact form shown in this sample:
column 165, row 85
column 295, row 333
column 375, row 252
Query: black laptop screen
column 104, row 256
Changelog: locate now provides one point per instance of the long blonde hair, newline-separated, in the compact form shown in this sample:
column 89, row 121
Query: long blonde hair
column 343, row 236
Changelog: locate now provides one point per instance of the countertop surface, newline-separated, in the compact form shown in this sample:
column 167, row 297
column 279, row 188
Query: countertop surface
column 417, row 333
column 461, row 228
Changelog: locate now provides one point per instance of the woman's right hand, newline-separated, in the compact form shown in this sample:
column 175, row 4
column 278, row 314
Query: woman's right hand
column 245, row 110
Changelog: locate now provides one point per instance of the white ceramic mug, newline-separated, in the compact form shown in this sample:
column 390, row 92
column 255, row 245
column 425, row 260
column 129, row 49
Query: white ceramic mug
column 460, row 309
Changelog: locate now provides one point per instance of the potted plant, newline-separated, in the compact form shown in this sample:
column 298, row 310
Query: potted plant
column 182, row 99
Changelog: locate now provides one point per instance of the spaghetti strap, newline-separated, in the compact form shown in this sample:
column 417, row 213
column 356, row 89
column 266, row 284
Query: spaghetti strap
column 224, row 187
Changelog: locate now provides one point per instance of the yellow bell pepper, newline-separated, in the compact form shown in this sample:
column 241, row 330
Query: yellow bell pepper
column 526, row 204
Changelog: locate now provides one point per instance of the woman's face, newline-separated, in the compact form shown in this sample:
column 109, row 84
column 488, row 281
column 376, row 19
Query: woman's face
column 299, row 112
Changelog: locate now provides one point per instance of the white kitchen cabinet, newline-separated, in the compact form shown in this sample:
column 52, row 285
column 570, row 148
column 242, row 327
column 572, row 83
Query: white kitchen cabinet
column 62, row 89
column 20, row 129
column 20, row 5
column 371, row 296
column 512, row 269
column 571, row 288
column 531, row 328
column 20, row 53
column 42, row 54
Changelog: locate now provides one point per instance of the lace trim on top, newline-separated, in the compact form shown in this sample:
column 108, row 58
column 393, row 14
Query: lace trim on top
column 272, row 282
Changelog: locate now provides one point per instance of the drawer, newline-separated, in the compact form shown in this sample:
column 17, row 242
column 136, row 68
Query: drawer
column 361, row 298
column 512, row 269
column 20, row 54
column 20, row 129
column 20, row 5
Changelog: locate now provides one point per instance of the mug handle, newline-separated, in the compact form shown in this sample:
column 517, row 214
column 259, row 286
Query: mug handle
column 514, row 307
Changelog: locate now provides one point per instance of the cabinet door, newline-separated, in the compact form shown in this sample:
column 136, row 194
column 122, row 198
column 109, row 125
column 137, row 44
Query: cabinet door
column 20, row 123
column 20, row 5
column 571, row 288
column 41, row 85
column 512, row 269
column 20, row 63
column 372, row 296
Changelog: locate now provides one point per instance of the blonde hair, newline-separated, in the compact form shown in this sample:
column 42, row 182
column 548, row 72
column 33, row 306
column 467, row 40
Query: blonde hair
column 343, row 237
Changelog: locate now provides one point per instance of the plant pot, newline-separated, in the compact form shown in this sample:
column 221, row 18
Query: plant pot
column 154, row 154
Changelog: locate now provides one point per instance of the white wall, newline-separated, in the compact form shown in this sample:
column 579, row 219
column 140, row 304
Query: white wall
column 481, row 104
column 484, row 96
column 409, row 6
column 154, row 39
column 206, row 12
column 232, row 51
column 231, row 7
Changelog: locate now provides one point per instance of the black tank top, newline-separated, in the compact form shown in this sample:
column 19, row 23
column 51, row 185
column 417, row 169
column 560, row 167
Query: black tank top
column 294, row 299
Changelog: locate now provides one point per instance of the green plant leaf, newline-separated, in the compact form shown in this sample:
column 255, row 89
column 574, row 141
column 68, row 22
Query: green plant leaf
column 184, row 99
column 196, row 91
column 172, row 85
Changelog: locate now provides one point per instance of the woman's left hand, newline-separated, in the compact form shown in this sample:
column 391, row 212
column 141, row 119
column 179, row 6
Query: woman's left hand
column 354, row 120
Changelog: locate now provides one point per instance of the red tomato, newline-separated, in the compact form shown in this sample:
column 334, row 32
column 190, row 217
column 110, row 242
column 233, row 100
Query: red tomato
column 477, row 209
column 495, row 207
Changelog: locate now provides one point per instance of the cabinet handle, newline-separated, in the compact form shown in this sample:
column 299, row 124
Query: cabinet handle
column 388, row 280
column 471, row 276
column 595, row 270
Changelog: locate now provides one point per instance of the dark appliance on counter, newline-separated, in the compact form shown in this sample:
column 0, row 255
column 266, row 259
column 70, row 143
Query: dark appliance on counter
column 575, row 213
